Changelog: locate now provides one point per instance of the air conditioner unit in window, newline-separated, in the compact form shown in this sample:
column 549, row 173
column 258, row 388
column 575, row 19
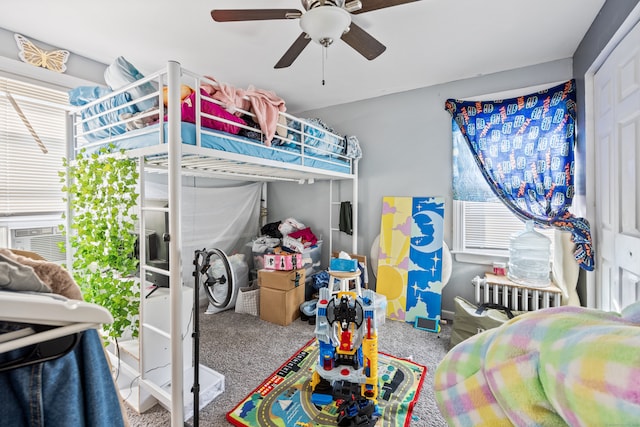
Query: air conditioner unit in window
column 42, row 240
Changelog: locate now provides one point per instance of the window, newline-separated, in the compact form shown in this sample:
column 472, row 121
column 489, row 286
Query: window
column 29, row 180
column 484, row 225
column 482, row 230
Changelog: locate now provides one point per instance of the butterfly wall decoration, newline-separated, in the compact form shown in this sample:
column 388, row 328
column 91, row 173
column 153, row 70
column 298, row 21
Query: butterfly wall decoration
column 31, row 54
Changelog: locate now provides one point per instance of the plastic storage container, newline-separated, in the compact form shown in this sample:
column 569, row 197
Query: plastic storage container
column 529, row 258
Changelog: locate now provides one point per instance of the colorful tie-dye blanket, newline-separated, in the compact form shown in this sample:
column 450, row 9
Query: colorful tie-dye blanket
column 553, row 367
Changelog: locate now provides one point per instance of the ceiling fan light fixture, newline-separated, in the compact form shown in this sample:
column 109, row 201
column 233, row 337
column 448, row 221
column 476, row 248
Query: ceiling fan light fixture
column 325, row 24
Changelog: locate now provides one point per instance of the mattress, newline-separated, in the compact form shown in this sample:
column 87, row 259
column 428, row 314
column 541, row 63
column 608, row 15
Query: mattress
column 222, row 141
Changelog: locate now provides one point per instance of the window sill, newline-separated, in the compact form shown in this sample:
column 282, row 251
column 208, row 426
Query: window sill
column 480, row 258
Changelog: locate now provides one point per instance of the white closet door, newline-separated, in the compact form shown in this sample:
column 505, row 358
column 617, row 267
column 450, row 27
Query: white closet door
column 617, row 160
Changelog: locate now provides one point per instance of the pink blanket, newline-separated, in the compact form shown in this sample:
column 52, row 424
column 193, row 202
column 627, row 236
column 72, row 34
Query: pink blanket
column 266, row 105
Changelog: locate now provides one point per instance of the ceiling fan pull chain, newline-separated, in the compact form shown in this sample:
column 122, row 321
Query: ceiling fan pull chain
column 324, row 53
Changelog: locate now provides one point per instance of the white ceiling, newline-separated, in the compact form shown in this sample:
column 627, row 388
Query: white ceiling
column 428, row 41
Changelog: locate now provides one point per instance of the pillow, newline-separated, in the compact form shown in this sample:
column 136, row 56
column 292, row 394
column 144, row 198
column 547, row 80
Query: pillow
column 189, row 114
column 83, row 95
column 122, row 73
column 17, row 277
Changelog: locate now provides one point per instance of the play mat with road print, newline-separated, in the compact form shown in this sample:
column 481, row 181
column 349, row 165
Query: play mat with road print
column 284, row 398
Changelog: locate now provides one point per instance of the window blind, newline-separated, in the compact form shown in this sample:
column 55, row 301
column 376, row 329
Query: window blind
column 29, row 180
column 488, row 226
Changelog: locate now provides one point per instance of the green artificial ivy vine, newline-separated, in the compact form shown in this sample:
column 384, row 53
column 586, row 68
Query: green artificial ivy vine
column 102, row 190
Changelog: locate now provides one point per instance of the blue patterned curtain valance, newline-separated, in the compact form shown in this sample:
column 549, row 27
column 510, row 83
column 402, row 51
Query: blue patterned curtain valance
column 524, row 148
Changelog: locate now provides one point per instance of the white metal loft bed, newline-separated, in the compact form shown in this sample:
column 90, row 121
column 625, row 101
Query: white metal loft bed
column 163, row 148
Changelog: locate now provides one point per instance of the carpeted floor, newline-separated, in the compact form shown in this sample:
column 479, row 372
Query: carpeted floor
column 246, row 350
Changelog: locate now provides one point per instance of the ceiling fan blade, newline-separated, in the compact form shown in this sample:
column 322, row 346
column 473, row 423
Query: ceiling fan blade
column 296, row 49
column 369, row 5
column 228, row 15
column 363, row 42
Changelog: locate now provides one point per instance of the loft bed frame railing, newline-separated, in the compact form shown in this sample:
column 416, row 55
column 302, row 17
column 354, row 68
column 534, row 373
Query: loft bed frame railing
column 176, row 160
column 224, row 161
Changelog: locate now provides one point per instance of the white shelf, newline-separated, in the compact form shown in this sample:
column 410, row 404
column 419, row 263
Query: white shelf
column 144, row 368
column 127, row 378
column 128, row 351
column 131, row 347
column 211, row 385
column 158, row 331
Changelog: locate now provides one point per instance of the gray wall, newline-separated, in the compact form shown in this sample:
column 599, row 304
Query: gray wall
column 406, row 141
column 406, row 144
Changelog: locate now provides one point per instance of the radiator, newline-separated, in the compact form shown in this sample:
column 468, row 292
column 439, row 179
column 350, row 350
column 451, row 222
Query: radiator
column 500, row 290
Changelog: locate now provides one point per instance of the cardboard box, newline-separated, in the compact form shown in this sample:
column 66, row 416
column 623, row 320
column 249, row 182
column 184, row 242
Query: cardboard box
column 284, row 262
column 281, row 280
column 281, row 307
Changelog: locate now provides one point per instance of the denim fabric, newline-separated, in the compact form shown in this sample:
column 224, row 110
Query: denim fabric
column 72, row 391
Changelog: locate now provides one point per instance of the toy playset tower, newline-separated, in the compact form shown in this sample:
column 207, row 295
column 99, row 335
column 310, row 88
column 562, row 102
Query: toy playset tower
column 347, row 322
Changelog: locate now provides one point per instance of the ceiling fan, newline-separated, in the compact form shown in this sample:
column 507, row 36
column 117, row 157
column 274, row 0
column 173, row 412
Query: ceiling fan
column 323, row 21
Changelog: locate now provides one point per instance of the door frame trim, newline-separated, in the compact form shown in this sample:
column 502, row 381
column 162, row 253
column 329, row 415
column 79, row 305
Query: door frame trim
column 592, row 294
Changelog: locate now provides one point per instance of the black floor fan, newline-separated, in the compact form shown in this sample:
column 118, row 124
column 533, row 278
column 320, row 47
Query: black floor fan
column 218, row 285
